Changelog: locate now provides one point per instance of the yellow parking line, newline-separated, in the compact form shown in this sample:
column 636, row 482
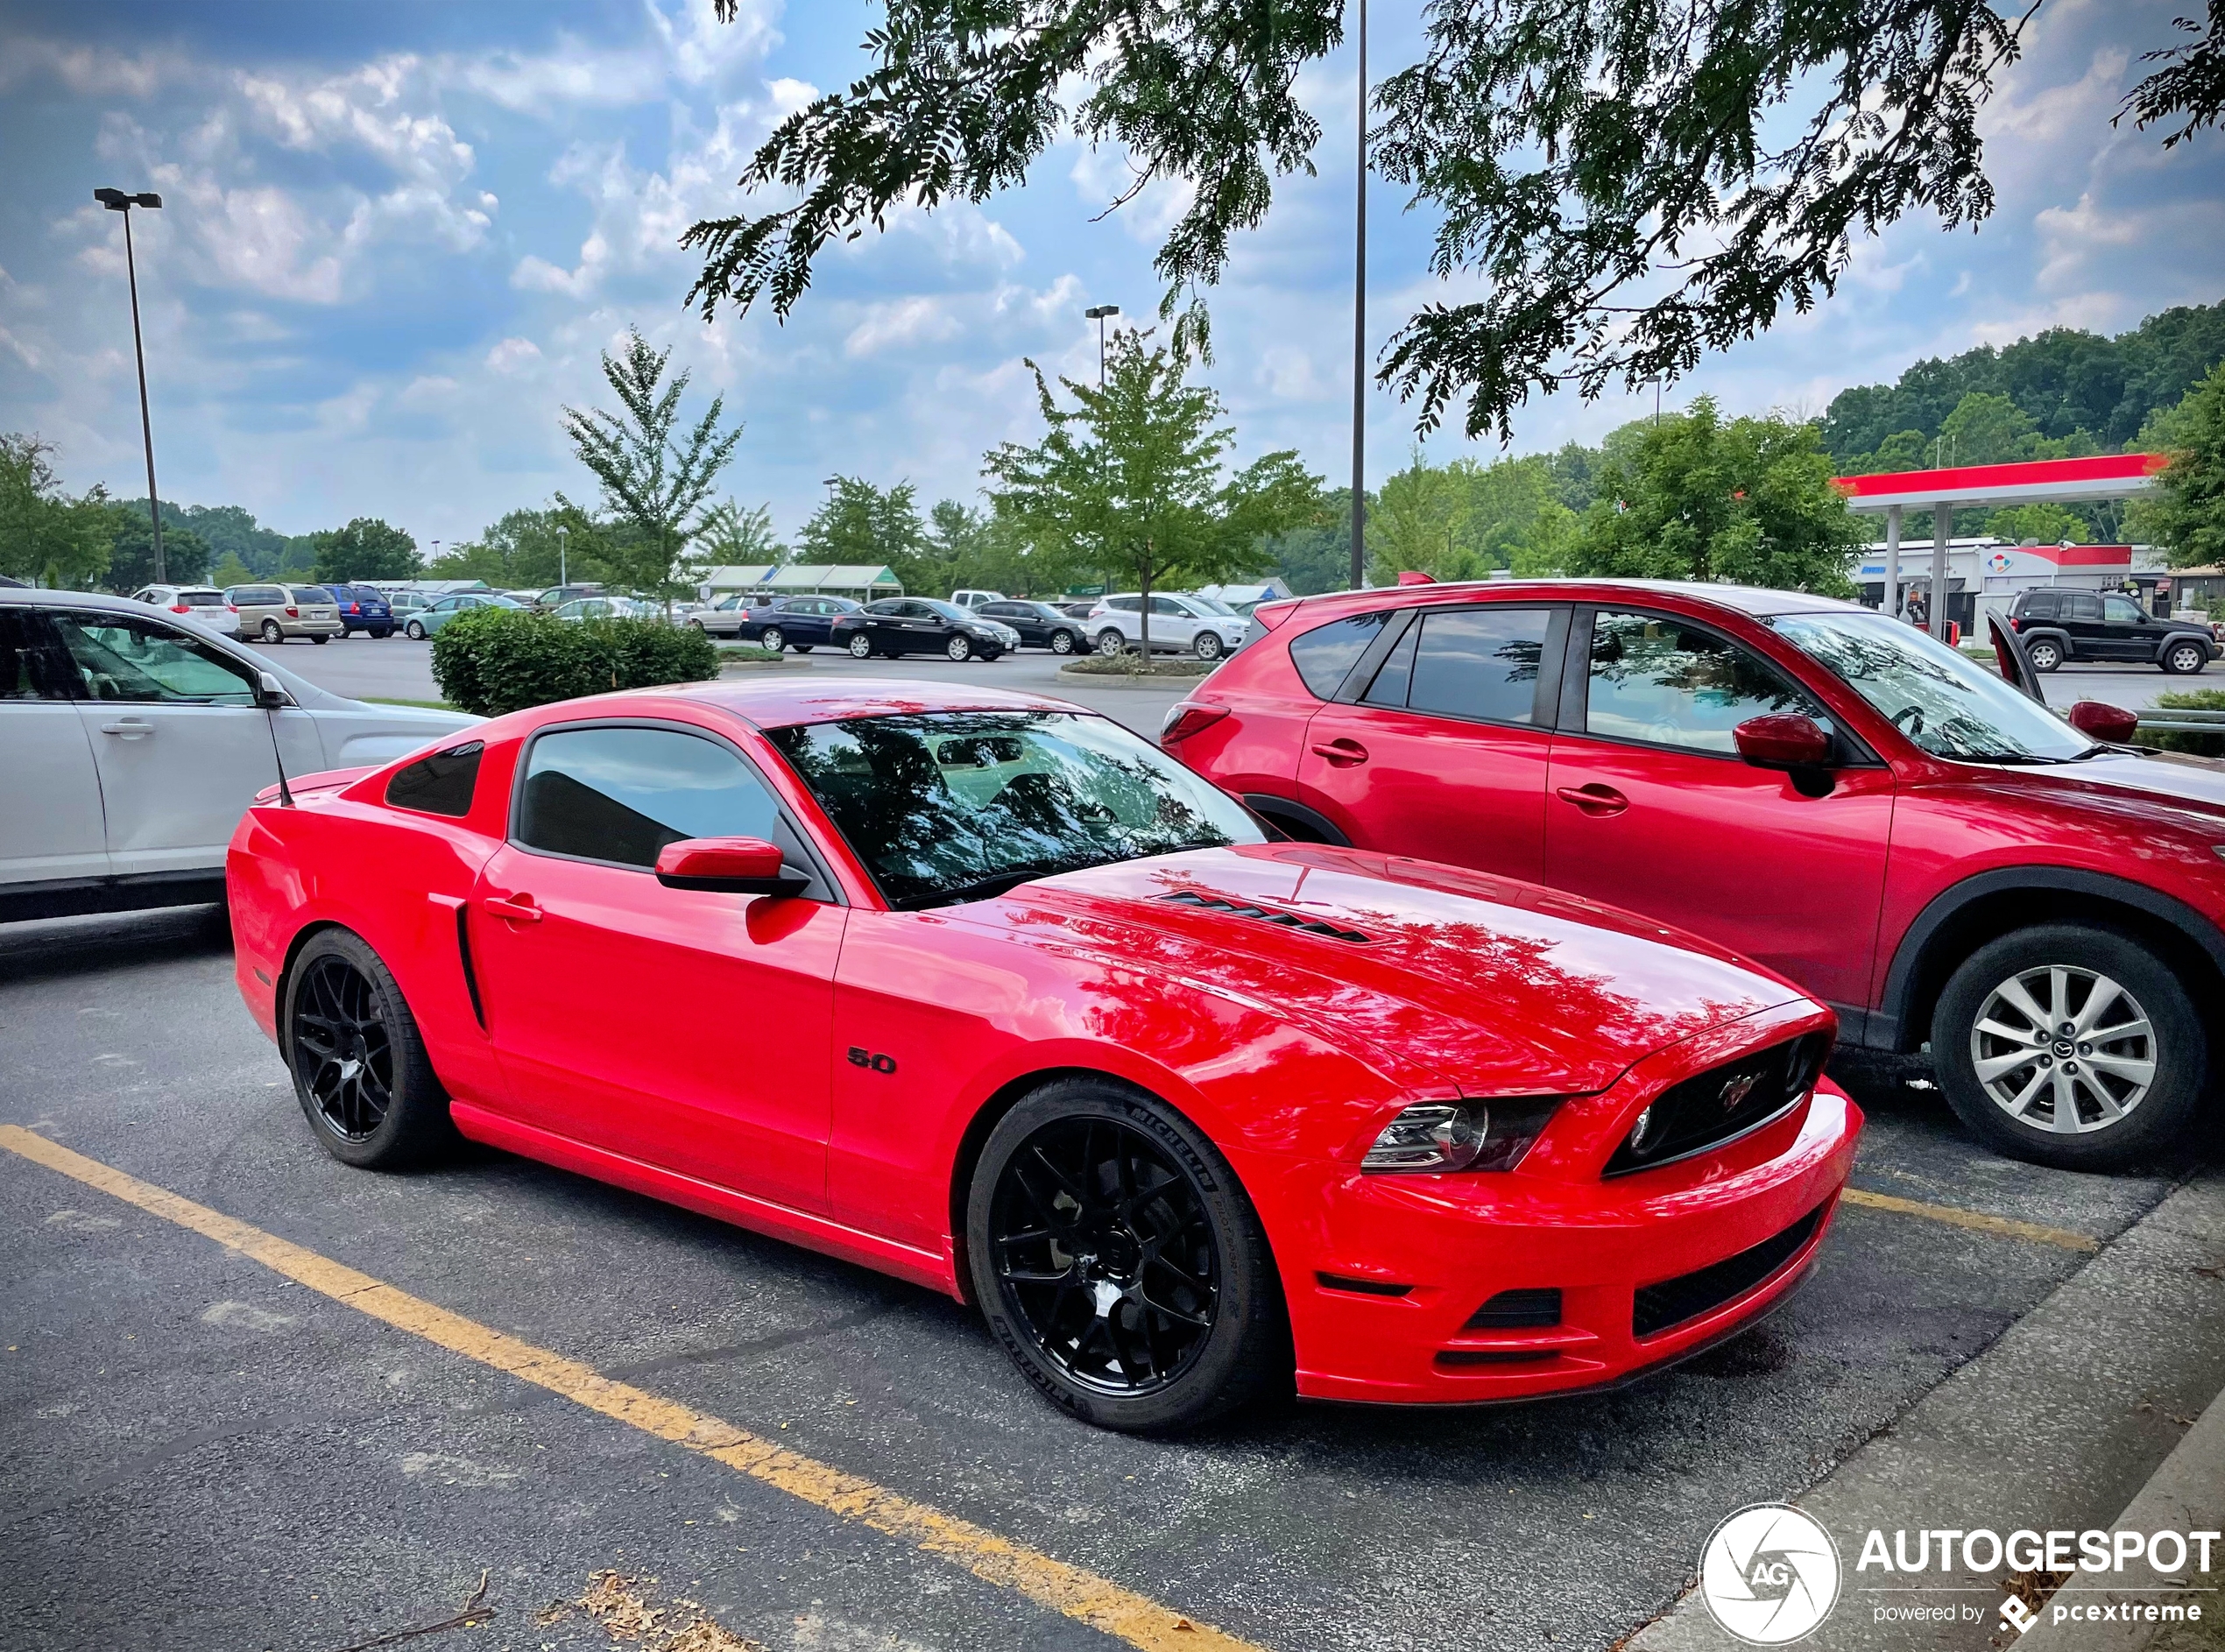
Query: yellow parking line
column 1081, row 1595
column 1977, row 1221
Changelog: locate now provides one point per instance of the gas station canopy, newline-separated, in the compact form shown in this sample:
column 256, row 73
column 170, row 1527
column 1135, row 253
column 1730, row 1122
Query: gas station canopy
column 2108, row 476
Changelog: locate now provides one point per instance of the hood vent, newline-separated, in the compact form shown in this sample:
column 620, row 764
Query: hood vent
column 1287, row 920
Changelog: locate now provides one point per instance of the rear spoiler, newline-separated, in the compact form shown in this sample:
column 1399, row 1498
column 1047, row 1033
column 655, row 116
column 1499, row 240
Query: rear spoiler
column 323, row 780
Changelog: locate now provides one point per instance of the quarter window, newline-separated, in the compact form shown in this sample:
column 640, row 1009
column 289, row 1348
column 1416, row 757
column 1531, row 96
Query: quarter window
column 623, row 793
column 1669, row 684
column 441, row 784
column 124, row 657
column 1325, row 654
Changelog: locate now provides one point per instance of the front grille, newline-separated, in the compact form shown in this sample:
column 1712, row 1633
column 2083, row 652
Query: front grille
column 1674, row 1302
column 1709, row 1108
column 1287, row 920
column 1518, row 1310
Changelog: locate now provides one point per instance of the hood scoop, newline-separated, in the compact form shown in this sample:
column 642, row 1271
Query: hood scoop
column 1266, row 915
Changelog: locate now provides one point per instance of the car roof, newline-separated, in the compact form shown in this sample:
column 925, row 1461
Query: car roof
column 782, row 704
column 30, row 596
column 1753, row 601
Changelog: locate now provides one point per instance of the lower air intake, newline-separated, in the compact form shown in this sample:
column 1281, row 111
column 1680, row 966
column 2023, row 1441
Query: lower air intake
column 1678, row 1301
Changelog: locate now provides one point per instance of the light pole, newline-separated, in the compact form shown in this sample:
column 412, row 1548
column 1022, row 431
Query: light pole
column 564, row 543
column 1097, row 312
column 117, row 201
column 1359, row 333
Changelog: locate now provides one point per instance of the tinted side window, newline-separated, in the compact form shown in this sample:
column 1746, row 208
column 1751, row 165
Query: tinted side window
column 2080, row 604
column 622, row 794
column 441, row 784
column 1326, row 654
column 1667, row 684
column 1480, row 662
column 2041, row 605
column 32, row 665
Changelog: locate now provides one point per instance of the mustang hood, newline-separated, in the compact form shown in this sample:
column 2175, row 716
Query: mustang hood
column 1430, row 972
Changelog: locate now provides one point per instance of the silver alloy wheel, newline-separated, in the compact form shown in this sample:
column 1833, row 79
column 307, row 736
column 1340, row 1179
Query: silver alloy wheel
column 959, row 649
column 771, row 637
column 1207, row 645
column 2186, row 658
column 1110, row 641
column 861, row 646
column 1062, row 642
column 2064, row 1050
column 2045, row 656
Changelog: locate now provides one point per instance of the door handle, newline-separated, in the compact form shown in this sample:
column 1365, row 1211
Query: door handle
column 517, row 908
column 1341, row 752
column 129, row 728
column 1593, row 799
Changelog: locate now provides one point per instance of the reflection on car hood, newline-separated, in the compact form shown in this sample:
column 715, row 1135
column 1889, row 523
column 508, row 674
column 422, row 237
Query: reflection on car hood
column 2190, row 783
column 1499, row 987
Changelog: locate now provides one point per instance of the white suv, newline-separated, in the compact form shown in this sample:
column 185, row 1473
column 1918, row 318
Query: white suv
column 134, row 742
column 202, row 604
column 1179, row 624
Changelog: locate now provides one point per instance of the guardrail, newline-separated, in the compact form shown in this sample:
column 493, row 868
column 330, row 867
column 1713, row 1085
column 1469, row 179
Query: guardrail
column 2161, row 718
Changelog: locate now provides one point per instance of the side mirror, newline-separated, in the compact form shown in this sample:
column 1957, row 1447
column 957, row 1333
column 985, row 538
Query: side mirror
column 1782, row 740
column 269, row 693
column 737, row 865
column 2104, row 722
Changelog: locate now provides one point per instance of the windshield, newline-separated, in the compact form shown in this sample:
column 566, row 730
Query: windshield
column 1949, row 705
column 962, row 805
column 949, row 610
column 1213, row 605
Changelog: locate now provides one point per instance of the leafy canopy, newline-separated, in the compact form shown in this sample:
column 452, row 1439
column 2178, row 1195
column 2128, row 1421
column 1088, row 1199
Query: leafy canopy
column 366, row 548
column 1610, row 167
column 44, row 534
column 2186, row 516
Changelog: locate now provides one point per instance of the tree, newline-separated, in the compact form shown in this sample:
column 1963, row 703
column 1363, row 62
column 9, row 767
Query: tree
column 734, row 538
column 1129, row 480
column 863, row 524
column 520, row 550
column 131, row 553
column 46, row 535
column 2041, row 524
column 655, row 482
column 1749, row 501
column 366, row 548
column 1615, row 170
column 2186, row 516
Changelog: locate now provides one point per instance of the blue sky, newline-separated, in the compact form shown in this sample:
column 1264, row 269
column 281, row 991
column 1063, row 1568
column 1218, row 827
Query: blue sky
column 396, row 236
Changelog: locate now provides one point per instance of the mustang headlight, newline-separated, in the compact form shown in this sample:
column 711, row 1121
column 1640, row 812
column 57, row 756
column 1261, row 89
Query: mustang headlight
column 1474, row 1136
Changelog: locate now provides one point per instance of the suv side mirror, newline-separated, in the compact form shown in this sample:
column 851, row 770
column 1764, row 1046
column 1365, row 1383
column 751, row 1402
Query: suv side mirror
column 1782, row 740
column 2104, row 722
column 269, row 693
column 737, row 865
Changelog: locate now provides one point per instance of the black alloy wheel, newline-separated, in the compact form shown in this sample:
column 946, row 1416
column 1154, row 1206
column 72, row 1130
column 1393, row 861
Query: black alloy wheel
column 1062, row 642
column 771, row 637
column 360, row 1069
column 1119, row 1262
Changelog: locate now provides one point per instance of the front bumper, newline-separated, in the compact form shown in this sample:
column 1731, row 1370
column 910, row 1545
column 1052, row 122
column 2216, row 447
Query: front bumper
column 1720, row 1238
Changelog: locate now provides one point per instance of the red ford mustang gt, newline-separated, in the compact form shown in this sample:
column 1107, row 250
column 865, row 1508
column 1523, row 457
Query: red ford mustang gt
column 1056, row 1030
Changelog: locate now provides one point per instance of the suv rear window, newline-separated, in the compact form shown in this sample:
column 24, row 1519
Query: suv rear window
column 441, row 784
column 1326, row 653
column 201, row 599
column 2039, row 604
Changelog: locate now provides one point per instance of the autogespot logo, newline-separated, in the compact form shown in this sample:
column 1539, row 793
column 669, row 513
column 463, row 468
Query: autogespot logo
column 1769, row 1574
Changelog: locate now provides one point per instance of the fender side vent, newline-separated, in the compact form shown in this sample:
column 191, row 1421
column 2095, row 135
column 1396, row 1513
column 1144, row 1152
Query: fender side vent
column 1359, row 1287
column 1265, row 914
column 1455, row 1358
column 1518, row 1310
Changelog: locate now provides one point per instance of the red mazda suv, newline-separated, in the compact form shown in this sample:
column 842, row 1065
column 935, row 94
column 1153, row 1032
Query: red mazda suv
column 1890, row 825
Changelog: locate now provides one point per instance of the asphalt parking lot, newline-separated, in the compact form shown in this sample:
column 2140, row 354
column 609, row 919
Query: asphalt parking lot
column 203, row 1452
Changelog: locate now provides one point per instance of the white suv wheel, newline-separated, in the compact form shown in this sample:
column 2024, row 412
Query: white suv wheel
column 1110, row 641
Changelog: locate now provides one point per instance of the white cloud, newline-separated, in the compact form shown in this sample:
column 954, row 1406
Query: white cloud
column 908, row 320
column 512, row 356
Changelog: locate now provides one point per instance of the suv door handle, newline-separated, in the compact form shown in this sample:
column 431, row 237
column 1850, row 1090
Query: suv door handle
column 130, row 728
column 1342, row 752
column 517, row 908
column 1593, row 799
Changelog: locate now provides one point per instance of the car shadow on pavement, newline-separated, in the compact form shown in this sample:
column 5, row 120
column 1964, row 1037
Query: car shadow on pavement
column 74, row 946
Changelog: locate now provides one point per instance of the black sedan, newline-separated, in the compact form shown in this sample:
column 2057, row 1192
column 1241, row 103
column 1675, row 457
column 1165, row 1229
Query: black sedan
column 800, row 623
column 1040, row 625
column 921, row 625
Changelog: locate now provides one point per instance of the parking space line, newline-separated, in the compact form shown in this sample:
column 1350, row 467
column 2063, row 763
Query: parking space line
column 1078, row 1594
column 1977, row 1221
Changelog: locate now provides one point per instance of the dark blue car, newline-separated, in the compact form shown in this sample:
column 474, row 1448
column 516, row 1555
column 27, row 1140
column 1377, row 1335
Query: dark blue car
column 800, row 623
column 364, row 609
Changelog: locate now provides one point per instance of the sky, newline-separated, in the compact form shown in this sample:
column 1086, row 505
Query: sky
column 395, row 239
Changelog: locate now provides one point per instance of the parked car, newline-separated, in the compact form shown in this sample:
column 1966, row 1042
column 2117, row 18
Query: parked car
column 134, row 742
column 975, row 598
column 276, row 613
column 1179, row 624
column 364, row 608
column 429, row 620
column 1884, row 822
column 557, row 596
column 1037, row 624
column 800, row 623
column 202, row 604
column 1192, row 1117
column 607, row 608
column 402, row 604
column 919, row 625
column 2057, row 625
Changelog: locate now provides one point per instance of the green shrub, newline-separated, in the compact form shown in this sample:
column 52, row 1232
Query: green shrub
column 496, row 660
column 2203, row 744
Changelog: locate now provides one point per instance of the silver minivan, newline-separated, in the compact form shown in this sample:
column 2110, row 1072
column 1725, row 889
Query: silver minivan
column 274, row 612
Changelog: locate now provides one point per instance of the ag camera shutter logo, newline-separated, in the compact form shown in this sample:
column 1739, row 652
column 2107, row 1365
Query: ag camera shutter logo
column 1769, row 1574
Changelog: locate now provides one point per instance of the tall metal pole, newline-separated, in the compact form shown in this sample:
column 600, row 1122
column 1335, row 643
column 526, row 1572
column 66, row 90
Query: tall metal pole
column 1359, row 333
column 1942, row 525
column 146, row 425
column 1892, row 562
